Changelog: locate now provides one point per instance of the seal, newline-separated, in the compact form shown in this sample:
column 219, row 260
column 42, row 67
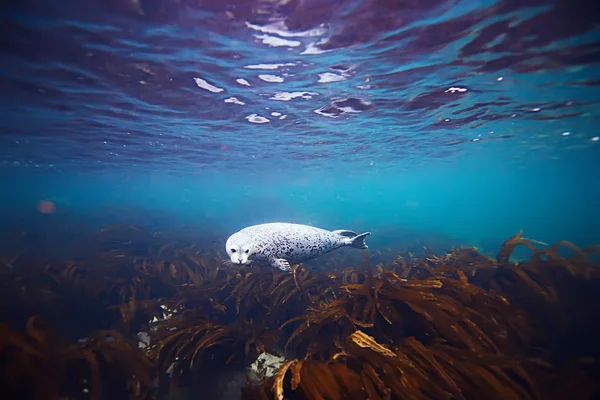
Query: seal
column 283, row 244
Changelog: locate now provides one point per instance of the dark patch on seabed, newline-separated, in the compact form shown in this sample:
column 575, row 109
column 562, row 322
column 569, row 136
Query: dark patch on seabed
column 134, row 313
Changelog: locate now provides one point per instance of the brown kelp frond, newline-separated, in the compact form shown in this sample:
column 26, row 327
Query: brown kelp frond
column 577, row 264
column 184, row 345
column 306, row 288
column 365, row 341
column 367, row 369
column 68, row 274
column 353, row 276
column 509, row 245
column 185, row 266
column 178, row 345
column 29, row 356
column 453, row 309
column 181, row 345
column 135, row 314
column 321, row 328
column 534, row 277
column 459, row 312
column 387, row 371
column 108, row 354
column 462, row 372
column 311, row 379
column 258, row 338
column 466, row 259
column 250, row 289
column 279, row 295
column 196, row 267
column 480, row 373
column 47, row 368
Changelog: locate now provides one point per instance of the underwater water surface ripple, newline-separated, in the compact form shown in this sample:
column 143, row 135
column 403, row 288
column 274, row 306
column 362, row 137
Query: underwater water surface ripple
column 231, row 85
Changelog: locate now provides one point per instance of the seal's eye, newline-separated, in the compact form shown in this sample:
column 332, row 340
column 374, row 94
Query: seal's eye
column 233, row 250
column 247, row 250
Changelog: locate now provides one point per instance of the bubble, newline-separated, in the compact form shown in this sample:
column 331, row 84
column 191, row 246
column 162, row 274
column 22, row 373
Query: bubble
column 330, row 77
column 456, row 89
column 257, row 119
column 270, row 78
column 202, row 84
column 234, row 100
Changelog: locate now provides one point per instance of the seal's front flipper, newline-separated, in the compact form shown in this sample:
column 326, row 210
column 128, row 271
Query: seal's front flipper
column 280, row 263
column 346, row 233
column 359, row 241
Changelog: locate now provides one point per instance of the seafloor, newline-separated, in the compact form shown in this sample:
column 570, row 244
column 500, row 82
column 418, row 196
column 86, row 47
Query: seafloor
column 134, row 313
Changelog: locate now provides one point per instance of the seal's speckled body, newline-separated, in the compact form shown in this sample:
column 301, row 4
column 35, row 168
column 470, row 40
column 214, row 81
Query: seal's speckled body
column 283, row 244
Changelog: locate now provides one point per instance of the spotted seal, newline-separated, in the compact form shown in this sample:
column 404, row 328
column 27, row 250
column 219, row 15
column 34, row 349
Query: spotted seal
column 283, row 244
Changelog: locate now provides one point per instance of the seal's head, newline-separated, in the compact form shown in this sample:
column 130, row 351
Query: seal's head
column 238, row 249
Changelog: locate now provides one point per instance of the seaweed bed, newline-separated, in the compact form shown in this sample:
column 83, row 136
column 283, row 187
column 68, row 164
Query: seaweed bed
column 454, row 326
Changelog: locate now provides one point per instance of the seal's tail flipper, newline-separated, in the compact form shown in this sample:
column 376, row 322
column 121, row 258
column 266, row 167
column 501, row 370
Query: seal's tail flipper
column 344, row 232
column 359, row 241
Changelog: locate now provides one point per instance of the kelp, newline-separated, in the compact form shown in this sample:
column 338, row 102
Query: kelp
column 366, row 369
column 183, row 345
column 35, row 364
column 462, row 325
column 392, row 307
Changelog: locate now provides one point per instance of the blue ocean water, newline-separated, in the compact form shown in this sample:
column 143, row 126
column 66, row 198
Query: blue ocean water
column 467, row 120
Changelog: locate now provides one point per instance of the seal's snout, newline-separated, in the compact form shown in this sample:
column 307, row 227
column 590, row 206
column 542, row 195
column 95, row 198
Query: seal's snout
column 241, row 261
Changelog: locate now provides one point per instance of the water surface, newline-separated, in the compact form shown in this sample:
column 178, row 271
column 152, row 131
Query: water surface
column 470, row 119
